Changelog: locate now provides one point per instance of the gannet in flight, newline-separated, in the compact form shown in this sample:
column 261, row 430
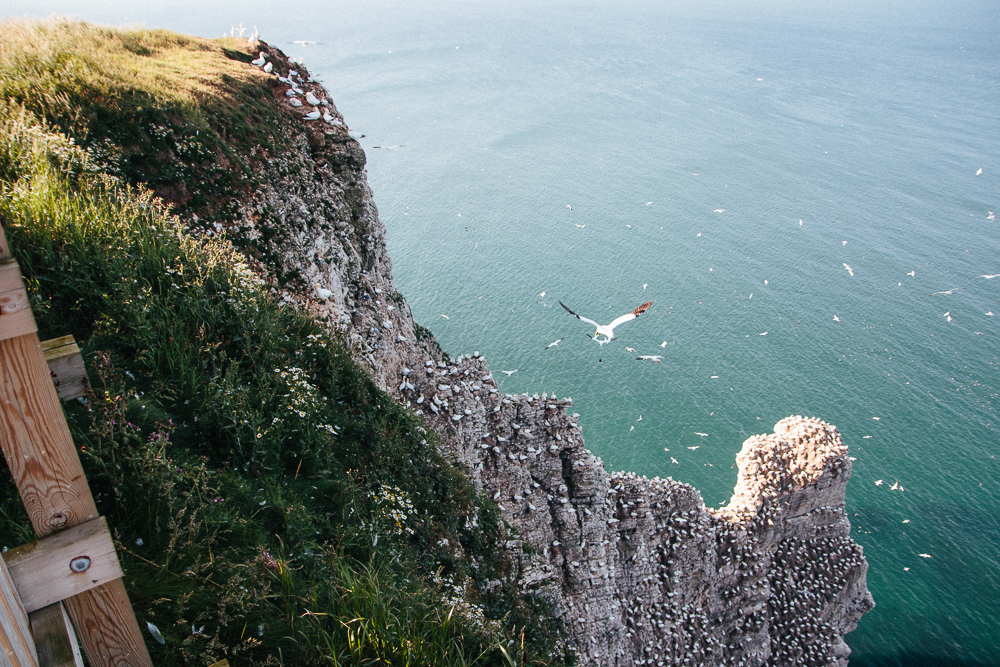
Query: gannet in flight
column 650, row 357
column 555, row 343
column 990, row 276
column 609, row 330
column 947, row 292
column 509, row 373
column 849, row 269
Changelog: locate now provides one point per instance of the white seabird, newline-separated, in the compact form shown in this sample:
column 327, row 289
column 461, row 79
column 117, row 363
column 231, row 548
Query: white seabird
column 268, row 67
column 947, row 292
column 609, row 330
column 259, row 62
column 849, row 269
column 312, row 99
column 553, row 344
column 650, row 357
column 509, row 373
column 322, row 292
column 312, row 115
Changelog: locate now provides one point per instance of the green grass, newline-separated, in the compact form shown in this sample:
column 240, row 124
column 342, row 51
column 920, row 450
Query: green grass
column 184, row 116
column 270, row 504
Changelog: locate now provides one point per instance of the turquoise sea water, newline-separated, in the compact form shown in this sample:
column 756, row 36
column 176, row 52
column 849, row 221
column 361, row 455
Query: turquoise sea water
column 690, row 141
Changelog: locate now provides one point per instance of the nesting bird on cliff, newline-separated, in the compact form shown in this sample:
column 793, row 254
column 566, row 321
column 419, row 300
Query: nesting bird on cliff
column 259, row 62
column 609, row 330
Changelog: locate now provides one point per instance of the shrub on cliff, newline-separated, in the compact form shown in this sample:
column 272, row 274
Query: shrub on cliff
column 270, row 504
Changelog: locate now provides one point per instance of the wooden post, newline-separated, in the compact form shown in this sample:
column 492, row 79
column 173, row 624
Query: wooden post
column 66, row 367
column 43, row 461
column 55, row 639
column 16, row 646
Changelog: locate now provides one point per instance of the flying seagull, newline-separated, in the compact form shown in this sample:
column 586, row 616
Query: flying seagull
column 555, row 343
column 947, row 292
column 990, row 276
column 509, row 373
column 609, row 330
column 650, row 357
column 849, row 269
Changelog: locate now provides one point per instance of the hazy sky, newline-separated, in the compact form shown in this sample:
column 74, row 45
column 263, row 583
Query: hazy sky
column 195, row 16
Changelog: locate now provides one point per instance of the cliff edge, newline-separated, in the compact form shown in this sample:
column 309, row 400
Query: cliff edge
column 639, row 570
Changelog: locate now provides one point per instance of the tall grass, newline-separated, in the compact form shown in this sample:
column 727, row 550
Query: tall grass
column 184, row 116
column 270, row 504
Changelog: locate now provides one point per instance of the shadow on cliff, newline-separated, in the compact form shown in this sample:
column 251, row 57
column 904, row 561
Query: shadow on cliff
column 914, row 660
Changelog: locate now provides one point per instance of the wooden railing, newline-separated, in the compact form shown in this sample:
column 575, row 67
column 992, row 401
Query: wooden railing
column 74, row 561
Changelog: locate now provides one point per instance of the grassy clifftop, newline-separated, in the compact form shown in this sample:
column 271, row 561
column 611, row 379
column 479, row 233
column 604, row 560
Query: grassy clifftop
column 270, row 504
column 174, row 112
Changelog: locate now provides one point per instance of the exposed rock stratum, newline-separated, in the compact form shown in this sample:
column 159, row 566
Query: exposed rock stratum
column 639, row 570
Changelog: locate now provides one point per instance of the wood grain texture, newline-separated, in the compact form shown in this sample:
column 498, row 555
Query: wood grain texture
column 15, row 311
column 55, row 639
column 98, row 616
column 41, row 570
column 44, row 464
column 36, row 440
column 16, row 644
column 66, row 367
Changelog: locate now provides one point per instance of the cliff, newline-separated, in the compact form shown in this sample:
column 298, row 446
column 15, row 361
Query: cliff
column 639, row 570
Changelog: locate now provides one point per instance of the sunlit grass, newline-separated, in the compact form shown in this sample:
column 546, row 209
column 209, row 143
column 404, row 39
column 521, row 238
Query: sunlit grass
column 270, row 504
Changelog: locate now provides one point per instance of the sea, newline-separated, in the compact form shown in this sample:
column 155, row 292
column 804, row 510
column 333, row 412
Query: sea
column 803, row 191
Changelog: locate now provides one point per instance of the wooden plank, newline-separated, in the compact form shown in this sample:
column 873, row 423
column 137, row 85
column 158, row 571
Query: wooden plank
column 100, row 616
column 55, row 639
column 43, row 462
column 36, row 440
column 16, row 644
column 15, row 310
column 44, row 573
column 66, row 367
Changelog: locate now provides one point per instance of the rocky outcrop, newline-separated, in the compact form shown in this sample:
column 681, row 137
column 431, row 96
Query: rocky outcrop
column 640, row 571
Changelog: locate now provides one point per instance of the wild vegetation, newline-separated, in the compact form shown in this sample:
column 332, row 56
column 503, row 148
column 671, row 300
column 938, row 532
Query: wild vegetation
column 269, row 503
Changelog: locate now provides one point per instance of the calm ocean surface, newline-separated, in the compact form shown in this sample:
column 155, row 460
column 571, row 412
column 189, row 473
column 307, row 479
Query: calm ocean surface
column 725, row 164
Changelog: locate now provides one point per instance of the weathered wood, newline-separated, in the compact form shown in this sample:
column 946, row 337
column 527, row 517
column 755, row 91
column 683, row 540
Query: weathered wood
column 15, row 311
column 55, row 639
column 36, row 440
column 44, row 573
column 43, row 462
column 69, row 374
column 107, row 627
column 16, row 645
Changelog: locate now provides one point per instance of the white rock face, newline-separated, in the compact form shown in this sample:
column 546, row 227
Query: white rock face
column 640, row 571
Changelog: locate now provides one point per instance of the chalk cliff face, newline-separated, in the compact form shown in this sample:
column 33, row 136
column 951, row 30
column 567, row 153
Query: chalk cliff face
column 640, row 571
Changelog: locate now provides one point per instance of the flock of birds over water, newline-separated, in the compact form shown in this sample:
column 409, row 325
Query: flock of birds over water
column 607, row 331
